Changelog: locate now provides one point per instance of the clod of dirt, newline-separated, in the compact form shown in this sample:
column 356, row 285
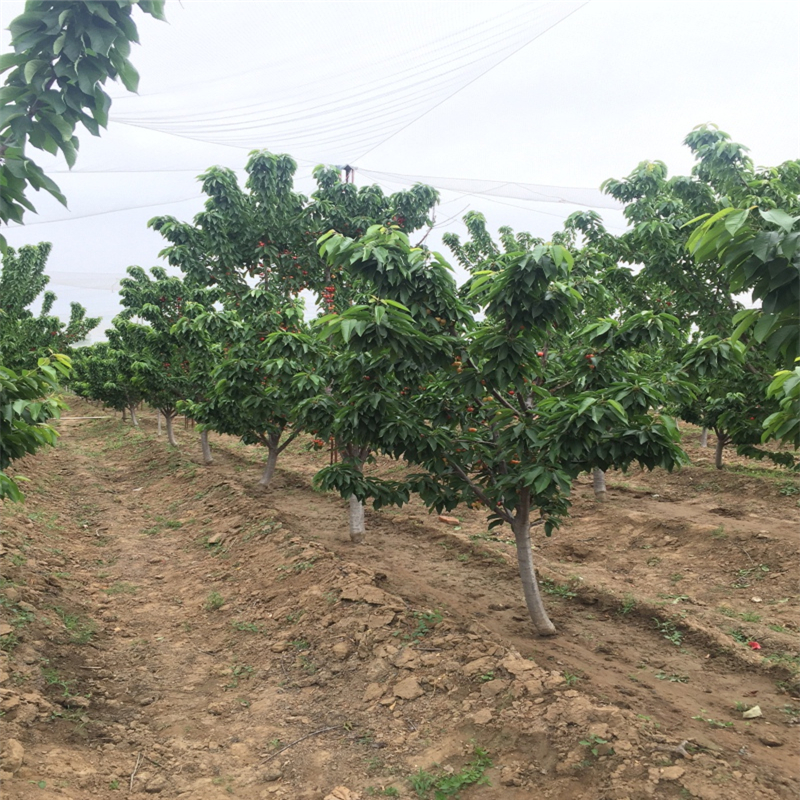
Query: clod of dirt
column 342, row 793
column 666, row 773
column 12, row 756
column 408, row 689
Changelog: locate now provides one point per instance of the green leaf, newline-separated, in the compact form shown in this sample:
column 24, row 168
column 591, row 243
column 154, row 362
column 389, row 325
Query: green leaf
column 32, row 67
column 780, row 218
column 618, row 408
column 9, row 60
column 736, row 220
column 764, row 326
column 60, row 124
column 587, row 401
column 128, row 74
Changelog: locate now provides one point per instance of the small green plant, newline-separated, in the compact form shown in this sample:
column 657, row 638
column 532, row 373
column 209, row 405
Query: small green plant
column 745, row 576
column 113, row 784
column 672, row 677
column 250, row 627
column 628, row 604
column 238, row 671
column 674, row 598
column 300, row 644
column 714, row 723
column 593, row 743
column 719, row 533
column 669, row 631
column 789, row 489
column 52, row 678
column 558, row 589
column 787, row 660
column 571, row 680
column 214, row 602
column 486, row 677
column 294, row 616
column 426, row 621
column 777, row 628
column 446, row 785
column 384, row 791
column 750, row 616
column 739, row 635
column 307, row 664
column 676, row 577
column 726, row 612
column 80, row 629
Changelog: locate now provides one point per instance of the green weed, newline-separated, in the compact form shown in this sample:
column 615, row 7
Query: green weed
column 250, row 627
column 714, row 723
column 446, row 785
column 214, row 602
column 628, row 604
column 593, row 744
column 426, row 621
column 558, row 589
column 669, row 631
column 80, row 628
column 672, row 677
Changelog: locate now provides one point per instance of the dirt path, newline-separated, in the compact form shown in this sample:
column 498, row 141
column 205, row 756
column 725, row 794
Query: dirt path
column 172, row 628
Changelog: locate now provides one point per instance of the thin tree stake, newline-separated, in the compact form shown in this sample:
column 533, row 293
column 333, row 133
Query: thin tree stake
column 270, row 756
column 136, row 769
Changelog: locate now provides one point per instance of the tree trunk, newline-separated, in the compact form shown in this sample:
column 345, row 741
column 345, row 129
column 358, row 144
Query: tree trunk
column 206, row 448
column 168, row 417
column 134, row 420
column 704, row 438
column 124, row 416
column 158, row 421
column 722, row 440
column 599, row 483
column 357, row 528
column 530, row 587
column 269, row 468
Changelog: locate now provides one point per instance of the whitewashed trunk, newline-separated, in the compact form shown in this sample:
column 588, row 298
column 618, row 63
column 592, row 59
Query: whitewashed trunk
column 168, row 418
column 357, row 527
column 599, row 483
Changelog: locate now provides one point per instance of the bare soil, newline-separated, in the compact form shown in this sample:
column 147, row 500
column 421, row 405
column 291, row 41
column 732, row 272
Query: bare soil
column 170, row 629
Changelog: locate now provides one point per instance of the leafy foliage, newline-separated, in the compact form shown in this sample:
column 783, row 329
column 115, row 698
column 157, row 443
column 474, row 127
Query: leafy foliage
column 25, row 409
column 23, row 336
column 63, row 53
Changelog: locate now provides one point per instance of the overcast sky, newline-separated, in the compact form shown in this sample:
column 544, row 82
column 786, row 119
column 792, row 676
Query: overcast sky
column 563, row 94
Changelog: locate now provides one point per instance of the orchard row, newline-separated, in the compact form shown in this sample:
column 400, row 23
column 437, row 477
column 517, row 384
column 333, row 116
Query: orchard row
column 552, row 359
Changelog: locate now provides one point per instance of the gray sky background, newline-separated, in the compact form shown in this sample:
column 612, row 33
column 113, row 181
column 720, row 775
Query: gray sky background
column 562, row 93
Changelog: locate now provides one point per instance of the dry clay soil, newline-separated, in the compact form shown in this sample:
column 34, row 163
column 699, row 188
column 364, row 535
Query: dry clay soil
column 169, row 629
